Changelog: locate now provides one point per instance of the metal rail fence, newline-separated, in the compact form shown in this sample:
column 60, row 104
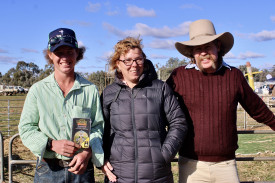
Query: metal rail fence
column 13, row 117
column 1, row 158
column 13, row 161
column 256, row 158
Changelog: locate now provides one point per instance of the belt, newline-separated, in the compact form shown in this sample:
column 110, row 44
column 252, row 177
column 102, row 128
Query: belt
column 59, row 162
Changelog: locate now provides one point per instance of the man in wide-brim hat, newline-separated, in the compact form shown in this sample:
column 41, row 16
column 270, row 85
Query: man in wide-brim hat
column 203, row 35
column 209, row 91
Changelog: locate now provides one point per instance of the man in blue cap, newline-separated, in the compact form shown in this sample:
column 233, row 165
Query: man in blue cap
column 51, row 105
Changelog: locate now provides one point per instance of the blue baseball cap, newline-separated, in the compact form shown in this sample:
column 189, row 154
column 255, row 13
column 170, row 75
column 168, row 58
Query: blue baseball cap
column 62, row 37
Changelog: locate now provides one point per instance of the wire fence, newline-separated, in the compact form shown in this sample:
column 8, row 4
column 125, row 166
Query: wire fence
column 10, row 111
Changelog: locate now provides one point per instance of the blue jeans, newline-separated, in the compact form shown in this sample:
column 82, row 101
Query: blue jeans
column 47, row 173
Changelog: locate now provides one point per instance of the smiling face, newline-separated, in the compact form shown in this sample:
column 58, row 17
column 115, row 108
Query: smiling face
column 64, row 60
column 206, row 57
column 131, row 73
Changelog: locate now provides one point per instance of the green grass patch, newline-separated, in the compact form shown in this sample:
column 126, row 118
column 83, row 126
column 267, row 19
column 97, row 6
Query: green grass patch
column 254, row 143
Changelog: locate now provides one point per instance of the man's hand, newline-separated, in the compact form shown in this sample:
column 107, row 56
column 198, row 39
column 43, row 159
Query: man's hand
column 107, row 170
column 80, row 161
column 65, row 147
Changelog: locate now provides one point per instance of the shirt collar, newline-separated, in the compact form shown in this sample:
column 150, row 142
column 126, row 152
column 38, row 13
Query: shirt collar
column 79, row 81
column 194, row 66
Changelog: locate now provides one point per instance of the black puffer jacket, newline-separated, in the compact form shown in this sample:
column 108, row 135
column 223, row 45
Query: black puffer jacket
column 136, row 140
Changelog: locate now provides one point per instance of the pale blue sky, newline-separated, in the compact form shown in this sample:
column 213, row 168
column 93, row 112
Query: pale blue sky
column 100, row 24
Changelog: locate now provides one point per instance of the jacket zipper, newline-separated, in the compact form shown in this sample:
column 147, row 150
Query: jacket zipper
column 135, row 135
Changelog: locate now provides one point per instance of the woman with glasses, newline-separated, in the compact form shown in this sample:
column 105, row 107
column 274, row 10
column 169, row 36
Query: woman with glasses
column 144, row 124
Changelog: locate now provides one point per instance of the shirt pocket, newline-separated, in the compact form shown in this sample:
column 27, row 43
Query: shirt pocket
column 81, row 112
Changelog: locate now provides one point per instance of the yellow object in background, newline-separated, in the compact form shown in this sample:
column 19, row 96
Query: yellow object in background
column 250, row 75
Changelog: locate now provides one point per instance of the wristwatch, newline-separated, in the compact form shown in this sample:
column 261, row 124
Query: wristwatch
column 49, row 144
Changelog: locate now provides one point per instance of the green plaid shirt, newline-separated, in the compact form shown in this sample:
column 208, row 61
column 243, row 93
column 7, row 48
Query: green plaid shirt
column 48, row 114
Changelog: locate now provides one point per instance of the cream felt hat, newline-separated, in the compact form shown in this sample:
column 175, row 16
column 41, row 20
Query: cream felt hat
column 202, row 32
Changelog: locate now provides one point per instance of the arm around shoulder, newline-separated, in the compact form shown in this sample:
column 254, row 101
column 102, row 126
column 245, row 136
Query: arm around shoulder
column 177, row 124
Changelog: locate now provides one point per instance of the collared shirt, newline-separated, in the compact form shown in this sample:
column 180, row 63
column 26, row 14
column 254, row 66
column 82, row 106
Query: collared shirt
column 194, row 66
column 48, row 114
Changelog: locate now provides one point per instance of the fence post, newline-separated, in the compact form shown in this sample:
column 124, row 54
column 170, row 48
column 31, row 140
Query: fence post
column 8, row 117
column 10, row 156
column 2, row 157
column 245, row 122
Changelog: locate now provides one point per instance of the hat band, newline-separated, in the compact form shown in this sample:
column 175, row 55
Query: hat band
column 201, row 35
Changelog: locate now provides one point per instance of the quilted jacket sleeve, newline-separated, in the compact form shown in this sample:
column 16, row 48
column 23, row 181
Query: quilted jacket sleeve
column 177, row 125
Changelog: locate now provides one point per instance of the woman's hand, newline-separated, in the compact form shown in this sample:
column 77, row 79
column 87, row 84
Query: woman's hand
column 107, row 170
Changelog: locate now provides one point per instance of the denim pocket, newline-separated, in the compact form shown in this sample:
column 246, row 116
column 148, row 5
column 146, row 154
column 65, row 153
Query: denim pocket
column 42, row 168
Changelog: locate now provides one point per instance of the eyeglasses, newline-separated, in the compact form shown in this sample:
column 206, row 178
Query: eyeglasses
column 129, row 62
column 66, row 38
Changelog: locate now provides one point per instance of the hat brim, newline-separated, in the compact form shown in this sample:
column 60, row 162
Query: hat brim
column 185, row 47
column 62, row 43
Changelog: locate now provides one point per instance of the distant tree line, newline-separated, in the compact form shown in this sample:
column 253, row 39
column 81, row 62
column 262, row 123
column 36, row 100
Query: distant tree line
column 25, row 74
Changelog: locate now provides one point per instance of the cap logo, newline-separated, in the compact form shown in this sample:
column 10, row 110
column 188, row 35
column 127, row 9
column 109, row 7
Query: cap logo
column 61, row 31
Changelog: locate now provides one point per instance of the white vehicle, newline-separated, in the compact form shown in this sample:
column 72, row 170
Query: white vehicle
column 7, row 90
column 11, row 90
column 19, row 89
column 263, row 90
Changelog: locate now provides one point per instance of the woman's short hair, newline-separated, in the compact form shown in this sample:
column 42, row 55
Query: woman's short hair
column 121, row 48
column 80, row 56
